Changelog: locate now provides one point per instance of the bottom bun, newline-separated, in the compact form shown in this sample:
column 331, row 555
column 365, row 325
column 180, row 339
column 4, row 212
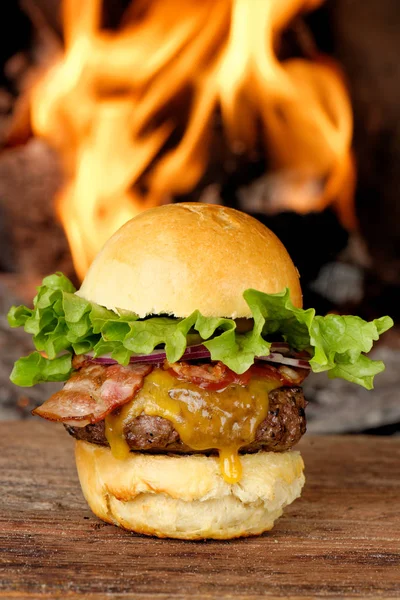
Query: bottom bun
column 185, row 496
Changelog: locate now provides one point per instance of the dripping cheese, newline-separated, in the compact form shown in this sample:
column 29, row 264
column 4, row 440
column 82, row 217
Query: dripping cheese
column 224, row 420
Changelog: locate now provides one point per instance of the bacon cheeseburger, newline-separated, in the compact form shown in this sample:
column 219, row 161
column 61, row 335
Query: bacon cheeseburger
column 183, row 353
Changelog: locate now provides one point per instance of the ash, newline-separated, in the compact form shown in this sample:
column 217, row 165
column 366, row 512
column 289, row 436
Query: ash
column 337, row 406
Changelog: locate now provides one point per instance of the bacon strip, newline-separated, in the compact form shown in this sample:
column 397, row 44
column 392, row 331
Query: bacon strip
column 211, row 376
column 93, row 392
column 218, row 376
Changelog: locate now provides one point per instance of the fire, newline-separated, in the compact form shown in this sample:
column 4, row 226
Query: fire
column 131, row 111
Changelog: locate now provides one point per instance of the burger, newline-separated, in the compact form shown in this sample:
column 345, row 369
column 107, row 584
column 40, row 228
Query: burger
column 183, row 353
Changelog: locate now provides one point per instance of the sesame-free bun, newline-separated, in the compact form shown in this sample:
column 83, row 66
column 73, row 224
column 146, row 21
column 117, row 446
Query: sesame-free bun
column 186, row 497
column 178, row 258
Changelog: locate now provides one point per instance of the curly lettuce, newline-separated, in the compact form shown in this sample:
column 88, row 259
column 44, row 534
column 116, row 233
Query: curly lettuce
column 63, row 324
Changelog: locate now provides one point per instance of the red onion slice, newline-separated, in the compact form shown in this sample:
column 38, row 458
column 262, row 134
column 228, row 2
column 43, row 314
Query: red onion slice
column 200, row 352
column 191, row 353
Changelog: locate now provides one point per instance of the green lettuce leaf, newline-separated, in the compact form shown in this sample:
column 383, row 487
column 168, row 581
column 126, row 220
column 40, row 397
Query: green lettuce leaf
column 34, row 368
column 63, row 324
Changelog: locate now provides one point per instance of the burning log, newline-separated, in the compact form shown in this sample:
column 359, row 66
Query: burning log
column 15, row 403
column 34, row 244
column 343, row 408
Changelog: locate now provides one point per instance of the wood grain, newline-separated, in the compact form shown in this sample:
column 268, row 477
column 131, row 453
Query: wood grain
column 340, row 540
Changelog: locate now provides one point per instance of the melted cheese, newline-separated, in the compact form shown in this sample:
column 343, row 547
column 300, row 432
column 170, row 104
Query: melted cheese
column 223, row 420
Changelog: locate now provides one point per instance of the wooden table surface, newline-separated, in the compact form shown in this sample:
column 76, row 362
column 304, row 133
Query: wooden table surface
column 340, row 540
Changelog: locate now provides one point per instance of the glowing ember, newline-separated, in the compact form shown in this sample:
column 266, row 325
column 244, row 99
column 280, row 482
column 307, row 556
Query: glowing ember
column 131, row 111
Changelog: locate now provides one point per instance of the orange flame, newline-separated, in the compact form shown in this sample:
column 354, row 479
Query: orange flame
column 131, row 111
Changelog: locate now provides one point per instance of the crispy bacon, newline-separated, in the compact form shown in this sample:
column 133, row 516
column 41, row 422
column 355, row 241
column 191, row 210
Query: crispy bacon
column 217, row 376
column 292, row 375
column 81, row 360
column 211, row 376
column 93, row 392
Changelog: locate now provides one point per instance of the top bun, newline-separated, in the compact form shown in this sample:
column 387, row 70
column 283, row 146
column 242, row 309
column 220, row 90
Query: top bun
column 177, row 258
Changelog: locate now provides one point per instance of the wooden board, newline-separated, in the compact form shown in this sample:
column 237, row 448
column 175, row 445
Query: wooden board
column 340, row 540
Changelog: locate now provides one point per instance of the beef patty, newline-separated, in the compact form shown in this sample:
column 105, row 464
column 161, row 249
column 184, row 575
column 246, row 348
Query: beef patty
column 280, row 430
